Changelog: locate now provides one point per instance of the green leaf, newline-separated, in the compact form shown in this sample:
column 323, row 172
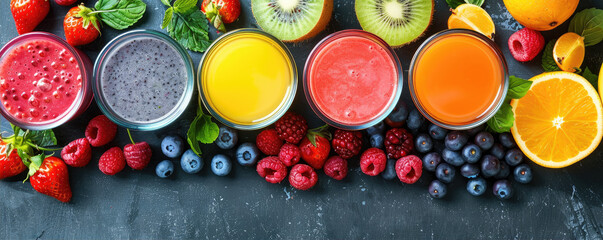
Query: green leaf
column 207, row 131
column 43, row 138
column 167, row 18
column 591, row 77
column 454, row 3
column 548, row 62
column 120, row 14
column 190, row 30
column 183, row 6
column 518, row 87
column 191, row 136
column 475, row 2
column 502, row 121
column 589, row 24
column 166, row 2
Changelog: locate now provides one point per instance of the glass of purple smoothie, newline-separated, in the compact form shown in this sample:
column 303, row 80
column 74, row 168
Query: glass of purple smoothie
column 144, row 80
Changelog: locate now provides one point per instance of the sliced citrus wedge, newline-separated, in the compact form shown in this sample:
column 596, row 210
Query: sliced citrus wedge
column 569, row 51
column 559, row 121
column 469, row 16
column 601, row 82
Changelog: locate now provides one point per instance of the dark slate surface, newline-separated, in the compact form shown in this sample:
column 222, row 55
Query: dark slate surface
column 558, row 204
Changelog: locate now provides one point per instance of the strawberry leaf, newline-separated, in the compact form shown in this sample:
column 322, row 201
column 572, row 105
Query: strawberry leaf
column 120, row 14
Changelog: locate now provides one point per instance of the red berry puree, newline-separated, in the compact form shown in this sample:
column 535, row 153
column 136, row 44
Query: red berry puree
column 39, row 80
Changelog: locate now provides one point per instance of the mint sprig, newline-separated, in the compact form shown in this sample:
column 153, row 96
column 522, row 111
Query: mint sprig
column 120, row 14
column 203, row 130
column 588, row 23
column 455, row 3
column 548, row 62
column 503, row 120
column 186, row 24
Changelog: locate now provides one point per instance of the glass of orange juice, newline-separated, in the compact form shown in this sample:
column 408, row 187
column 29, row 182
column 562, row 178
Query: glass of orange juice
column 458, row 79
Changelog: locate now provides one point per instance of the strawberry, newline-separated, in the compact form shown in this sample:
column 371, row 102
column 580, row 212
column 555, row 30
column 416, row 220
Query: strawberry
column 77, row 153
column 49, row 176
column 138, row 155
column 81, row 26
column 65, row 2
column 28, row 13
column 10, row 165
column 221, row 11
column 112, row 161
column 315, row 147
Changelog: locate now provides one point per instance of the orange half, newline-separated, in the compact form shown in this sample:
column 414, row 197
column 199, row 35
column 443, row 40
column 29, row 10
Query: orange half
column 559, row 121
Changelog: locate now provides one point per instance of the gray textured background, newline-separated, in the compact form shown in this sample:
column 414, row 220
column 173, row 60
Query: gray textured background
column 558, row 204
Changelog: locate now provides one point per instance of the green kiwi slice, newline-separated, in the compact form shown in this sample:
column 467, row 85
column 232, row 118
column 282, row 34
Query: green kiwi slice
column 292, row 20
column 396, row 21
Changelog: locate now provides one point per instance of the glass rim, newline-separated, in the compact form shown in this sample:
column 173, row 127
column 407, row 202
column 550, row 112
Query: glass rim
column 163, row 121
column 357, row 33
column 278, row 113
column 77, row 102
column 500, row 99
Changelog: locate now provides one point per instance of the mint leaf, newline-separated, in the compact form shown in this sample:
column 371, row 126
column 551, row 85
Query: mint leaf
column 167, row 18
column 455, row 3
column 166, row 2
column 475, row 2
column 183, row 6
column 191, row 135
column 588, row 23
column 548, row 62
column 208, row 131
column 190, row 30
column 120, row 14
column 503, row 120
column 518, row 87
column 591, row 77
column 43, row 138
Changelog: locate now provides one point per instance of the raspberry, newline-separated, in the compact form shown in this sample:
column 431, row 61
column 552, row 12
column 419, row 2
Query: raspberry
column 409, row 169
column 112, row 161
column 303, row 177
column 289, row 154
column 100, row 131
column 525, row 44
column 373, row 161
column 398, row 143
column 291, row 128
column 77, row 153
column 347, row 143
column 271, row 169
column 336, row 167
column 268, row 142
column 138, row 155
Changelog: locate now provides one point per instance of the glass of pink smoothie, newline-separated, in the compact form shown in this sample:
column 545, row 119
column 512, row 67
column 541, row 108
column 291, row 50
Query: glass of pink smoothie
column 352, row 79
column 43, row 81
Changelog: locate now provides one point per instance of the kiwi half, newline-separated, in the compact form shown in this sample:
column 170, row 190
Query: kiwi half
column 292, row 20
column 398, row 22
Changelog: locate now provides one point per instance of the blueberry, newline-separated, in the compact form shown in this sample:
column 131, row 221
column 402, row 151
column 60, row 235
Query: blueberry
column 221, row 165
column 490, row 166
column 469, row 170
column 431, row 161
column 452, row 157
column 191, row 162
column 376, row 141
column 171, row 146
column 436, row 132
column 378, row 128
column 445, row 172
column 477, row 186
column 415, row 120
column 504, row 172
column 390, row 170
column 398, row 115
column 476, row 130
column 484, row 140
column 502, row 189
column 472, row 153
column 164, row 169
column 247, row 154
column 437, row 189
column 498, row 151
column 455, row 140
column 227, row 138
column 523, row 173
column 506, row 139
column 514, row 157
column 423, row 143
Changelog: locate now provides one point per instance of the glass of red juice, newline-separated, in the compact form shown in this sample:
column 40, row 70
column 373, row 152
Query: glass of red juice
column 352, row 79
column 43, row 81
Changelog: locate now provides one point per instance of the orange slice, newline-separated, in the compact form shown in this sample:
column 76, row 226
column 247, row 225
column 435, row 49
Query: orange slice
column 569, row 51
column 601, row 82
column 469, row 16
column 559, row 121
